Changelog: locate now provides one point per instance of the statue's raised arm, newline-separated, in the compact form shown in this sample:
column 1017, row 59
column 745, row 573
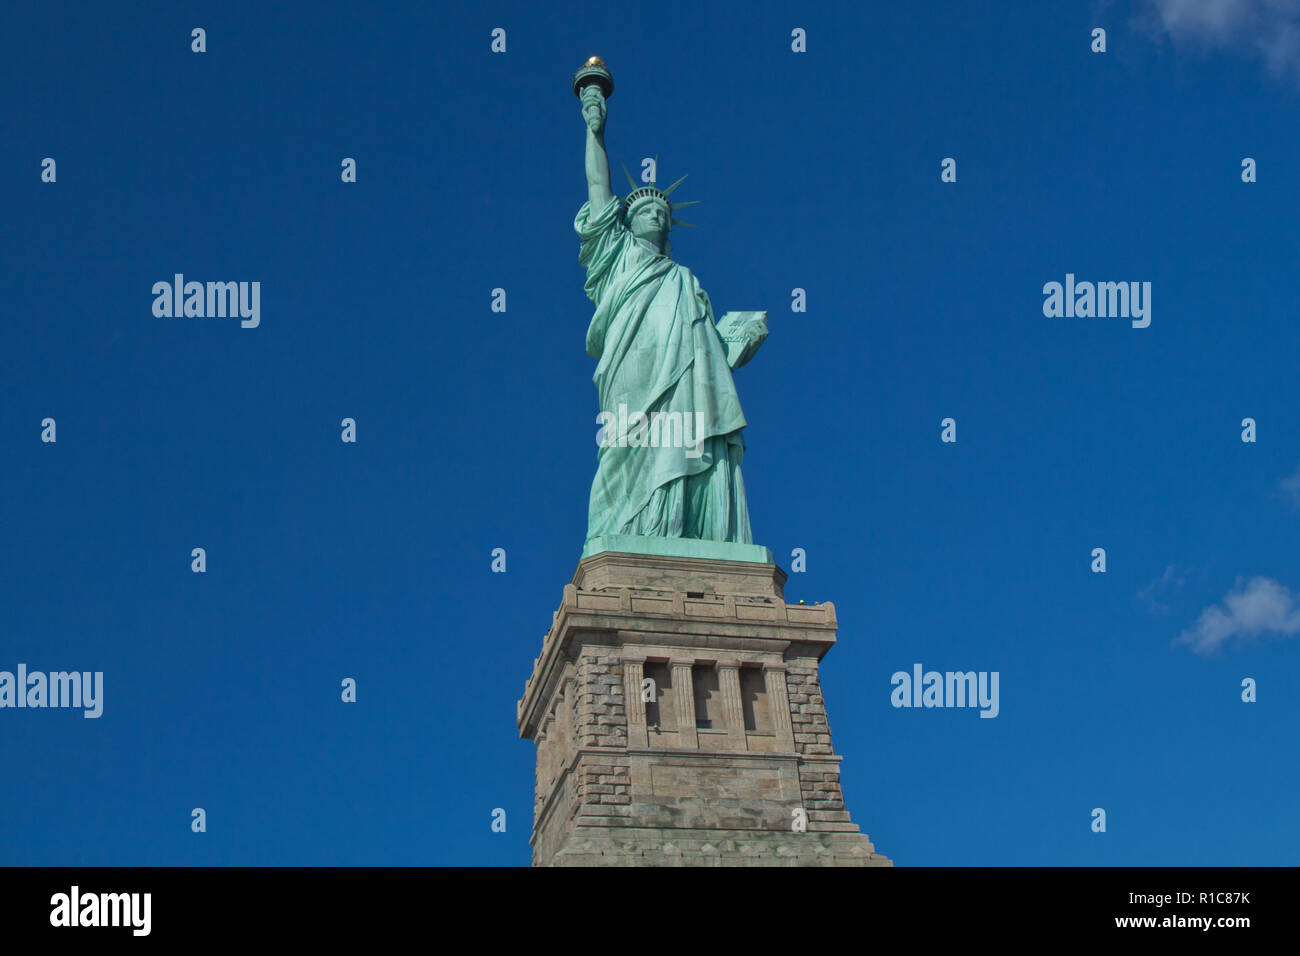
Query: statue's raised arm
column 593, row 84
column 593, row 111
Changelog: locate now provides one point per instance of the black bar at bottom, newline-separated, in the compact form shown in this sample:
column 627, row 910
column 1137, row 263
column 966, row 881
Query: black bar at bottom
column 341, row 905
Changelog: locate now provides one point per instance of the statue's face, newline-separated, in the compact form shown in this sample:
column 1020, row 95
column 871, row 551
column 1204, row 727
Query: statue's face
column 651, row 222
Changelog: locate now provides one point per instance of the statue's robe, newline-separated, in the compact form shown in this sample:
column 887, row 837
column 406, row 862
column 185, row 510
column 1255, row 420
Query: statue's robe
column 658, row 350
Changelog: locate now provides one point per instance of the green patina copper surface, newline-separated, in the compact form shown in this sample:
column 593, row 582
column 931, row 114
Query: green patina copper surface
column 679, row 548
column 669, row 464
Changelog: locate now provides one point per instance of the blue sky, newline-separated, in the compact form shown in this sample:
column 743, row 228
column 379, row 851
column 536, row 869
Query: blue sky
column 476, row 429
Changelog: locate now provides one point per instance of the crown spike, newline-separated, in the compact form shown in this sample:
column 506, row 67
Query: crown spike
column 630, row 182
column 678, row 222
column 669, row 190
column 679, row 205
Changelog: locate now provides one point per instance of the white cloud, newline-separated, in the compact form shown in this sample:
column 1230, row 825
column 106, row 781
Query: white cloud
column 1160, row 587
column 1258, row 607
column 1291, row 486
column 1269, row 29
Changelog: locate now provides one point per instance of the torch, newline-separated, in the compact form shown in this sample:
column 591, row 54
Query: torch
column 593, row 71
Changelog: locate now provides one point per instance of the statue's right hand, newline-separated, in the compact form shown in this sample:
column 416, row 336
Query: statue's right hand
column 593, row 108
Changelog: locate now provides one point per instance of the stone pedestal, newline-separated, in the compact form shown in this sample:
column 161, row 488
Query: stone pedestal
column 679, row 720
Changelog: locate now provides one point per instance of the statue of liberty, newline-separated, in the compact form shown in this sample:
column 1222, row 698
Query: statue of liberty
column 670, row 441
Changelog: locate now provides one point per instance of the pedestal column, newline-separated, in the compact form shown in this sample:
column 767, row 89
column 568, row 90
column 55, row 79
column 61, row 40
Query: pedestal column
column 684, row 698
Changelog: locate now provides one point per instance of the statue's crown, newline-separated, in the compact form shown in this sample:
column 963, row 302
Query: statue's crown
column 640, row 195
